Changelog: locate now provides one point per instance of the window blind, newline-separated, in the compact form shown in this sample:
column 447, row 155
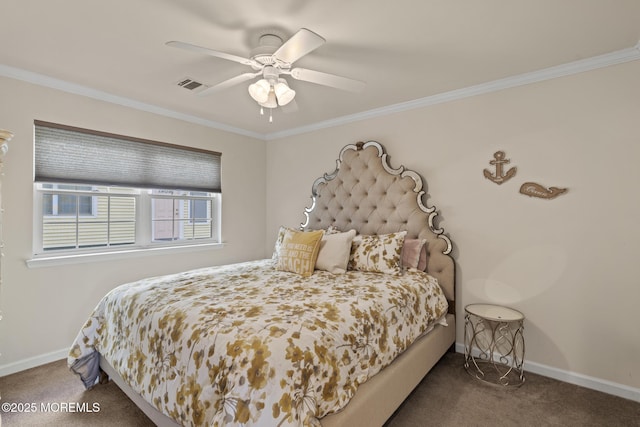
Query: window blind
column 73, row 155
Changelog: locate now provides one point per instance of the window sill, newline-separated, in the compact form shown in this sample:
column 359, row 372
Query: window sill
column 66, row 259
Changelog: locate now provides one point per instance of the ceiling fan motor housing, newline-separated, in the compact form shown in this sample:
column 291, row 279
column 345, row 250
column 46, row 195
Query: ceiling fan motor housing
column 263, row 54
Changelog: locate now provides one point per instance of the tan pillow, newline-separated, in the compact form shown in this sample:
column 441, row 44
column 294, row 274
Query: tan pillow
column 377, row 253
column 414, row 254
column 299, row 251
column 334, row 252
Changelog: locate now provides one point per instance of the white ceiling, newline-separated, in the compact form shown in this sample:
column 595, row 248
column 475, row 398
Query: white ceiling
column 404, row 50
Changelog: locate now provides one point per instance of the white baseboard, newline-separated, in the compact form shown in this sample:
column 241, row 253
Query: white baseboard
column 32, row 362
column 586, row 381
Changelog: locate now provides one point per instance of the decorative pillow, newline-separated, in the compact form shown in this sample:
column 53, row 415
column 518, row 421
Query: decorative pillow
column 279, row 239
column 332, row 229
column 414, row 254
column 299, row 251
column 334, row 252
column 377, row 253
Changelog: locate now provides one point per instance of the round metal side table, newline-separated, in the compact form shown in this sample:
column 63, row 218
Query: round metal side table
column 494, row 344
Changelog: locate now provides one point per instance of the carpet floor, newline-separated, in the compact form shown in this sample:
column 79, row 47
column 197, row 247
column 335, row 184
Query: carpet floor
column 447, row 396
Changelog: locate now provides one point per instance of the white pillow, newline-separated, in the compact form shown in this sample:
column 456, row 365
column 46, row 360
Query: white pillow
column 334, row 252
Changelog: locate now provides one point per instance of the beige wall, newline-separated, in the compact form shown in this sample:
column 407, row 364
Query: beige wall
column 569, row 264
column 44, row 308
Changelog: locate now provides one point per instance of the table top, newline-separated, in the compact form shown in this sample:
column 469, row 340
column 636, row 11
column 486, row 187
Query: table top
column 494, row 312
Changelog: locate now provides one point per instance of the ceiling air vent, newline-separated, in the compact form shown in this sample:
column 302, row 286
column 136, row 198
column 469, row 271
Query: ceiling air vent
column 191, row 84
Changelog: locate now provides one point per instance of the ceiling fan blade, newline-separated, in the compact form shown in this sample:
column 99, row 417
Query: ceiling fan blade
column 301, row 43
column 211, row 52
column 228, row 83
column 326, row 79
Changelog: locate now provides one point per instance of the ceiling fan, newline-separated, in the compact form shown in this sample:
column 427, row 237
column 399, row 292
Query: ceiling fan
column 271, row 60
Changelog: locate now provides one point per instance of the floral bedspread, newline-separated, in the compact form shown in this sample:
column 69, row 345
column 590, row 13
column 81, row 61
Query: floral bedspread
column 245, row 344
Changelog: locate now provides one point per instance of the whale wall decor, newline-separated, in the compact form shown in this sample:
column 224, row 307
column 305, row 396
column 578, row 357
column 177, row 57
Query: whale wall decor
column 533, row 189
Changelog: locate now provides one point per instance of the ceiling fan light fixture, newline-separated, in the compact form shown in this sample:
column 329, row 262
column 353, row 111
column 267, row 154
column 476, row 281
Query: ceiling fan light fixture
column 260, row 90
column 283, row 92
column 271, row 101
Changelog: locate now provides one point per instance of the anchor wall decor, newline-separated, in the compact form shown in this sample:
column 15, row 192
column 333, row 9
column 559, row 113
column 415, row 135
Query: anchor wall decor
column 500, row 176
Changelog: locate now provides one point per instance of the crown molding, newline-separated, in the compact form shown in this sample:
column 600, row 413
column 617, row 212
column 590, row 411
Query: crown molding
column 50, row 82
column 575, row 67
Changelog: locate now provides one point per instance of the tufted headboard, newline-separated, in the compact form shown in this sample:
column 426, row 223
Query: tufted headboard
column 366, row 194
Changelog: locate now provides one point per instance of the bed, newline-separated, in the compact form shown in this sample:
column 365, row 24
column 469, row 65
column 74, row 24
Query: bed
column 337, row 328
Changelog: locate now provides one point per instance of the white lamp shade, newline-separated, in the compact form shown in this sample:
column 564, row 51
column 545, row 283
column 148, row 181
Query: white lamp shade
column 283, row 92
column 259, row 91
column 270, row 102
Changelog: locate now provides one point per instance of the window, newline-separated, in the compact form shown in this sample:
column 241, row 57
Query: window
column 180, row 215
column 97, row 192
column 92, row 217
column 199, row 210
column 63, row 204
